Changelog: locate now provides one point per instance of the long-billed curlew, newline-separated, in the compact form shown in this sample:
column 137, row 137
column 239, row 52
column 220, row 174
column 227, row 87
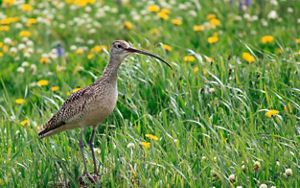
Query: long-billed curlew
column 92, row 104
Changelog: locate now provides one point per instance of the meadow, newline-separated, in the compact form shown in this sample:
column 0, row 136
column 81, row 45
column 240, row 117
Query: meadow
column 226, row 115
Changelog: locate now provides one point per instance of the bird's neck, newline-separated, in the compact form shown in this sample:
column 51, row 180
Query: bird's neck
column 111, row 71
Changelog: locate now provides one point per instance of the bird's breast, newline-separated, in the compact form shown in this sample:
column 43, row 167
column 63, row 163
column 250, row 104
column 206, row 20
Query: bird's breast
column 101, row 106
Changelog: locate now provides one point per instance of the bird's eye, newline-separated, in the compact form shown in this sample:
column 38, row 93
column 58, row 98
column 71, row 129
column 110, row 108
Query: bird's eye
column 119, row 46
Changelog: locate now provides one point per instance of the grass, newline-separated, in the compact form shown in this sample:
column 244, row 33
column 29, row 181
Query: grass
column 210, row 122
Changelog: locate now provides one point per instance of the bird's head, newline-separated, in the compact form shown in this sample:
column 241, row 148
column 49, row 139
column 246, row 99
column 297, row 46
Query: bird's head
column 122, row 49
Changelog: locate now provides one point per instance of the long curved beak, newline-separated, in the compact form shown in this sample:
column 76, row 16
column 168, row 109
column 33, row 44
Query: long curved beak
column 133, row 50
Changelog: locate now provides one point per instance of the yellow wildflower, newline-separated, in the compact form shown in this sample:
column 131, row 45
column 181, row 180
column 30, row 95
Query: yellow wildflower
column 151, row 137
column 154, row 31
column 211, row 16
column 271, row 113
column 79, row 51
column 1, row 54
column 167, row 48
column 20, row 101
column 54, row 88
column 248, row 57
column 98, row 48
column 127, row 25
column 146, row 145
column 177, row 22
column 5, row 48
column 42, row 83
column 81, row 3
column 76, row 89
column 90, row 56
column 26, row 7
column 189, row 58
column 212, row 39
column 163, row 15
column 215, row 22
column 297, row 40
column 198, row 28
column 8, row 2
column 8, row 20
column 25, row 122
column 195, row 70
column 24, row 34
column 153, row 8
column 31, row 21
column 267, row 39
column 44, row 60
column 165, row 10
column 4, row 28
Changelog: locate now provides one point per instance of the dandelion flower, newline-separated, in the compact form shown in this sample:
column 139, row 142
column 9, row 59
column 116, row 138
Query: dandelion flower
column 20, row 101
column 44, row 60
column 153, row 8
column 211, row 16
column 151, row 137
column 31, row 21
column 248, row 57
column 167, row 48
column 98, row 48
column 79, row 51
column 146, row 145
column 4, row 28
column 212, row 39
column 215, row 22
column 54, row 88
column 9, row 2
column 189, row 58
column 76, row 89
column 25, row 34
column 266, row 39
column 154, row 31
column 42, row 83
column 195, row 70
column 177, row 22
column 271, row 113
column 90, row 56
column 165, row 10
column 198, row 28
column 128, row 25
column 163, row 15
column 25, row 122
column 26, row 7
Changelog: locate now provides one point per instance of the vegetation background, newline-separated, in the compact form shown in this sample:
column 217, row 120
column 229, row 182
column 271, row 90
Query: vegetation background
column 226, row 115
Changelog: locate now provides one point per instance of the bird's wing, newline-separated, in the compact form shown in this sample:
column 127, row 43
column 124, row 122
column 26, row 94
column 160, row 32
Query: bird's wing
column 71, row 110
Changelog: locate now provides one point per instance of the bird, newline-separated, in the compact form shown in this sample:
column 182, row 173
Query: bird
column 89, row 106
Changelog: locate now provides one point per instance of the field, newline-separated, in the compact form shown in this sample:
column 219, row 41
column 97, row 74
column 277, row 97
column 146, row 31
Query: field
column 226, row 115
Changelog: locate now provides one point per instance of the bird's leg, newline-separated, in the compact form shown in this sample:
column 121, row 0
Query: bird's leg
column 91, row 144
column 81, row 145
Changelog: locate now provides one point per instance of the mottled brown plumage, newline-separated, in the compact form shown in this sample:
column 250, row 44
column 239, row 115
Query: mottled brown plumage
column 92, row 104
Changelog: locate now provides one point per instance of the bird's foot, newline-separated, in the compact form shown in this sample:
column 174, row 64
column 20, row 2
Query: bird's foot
column 92, row 178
